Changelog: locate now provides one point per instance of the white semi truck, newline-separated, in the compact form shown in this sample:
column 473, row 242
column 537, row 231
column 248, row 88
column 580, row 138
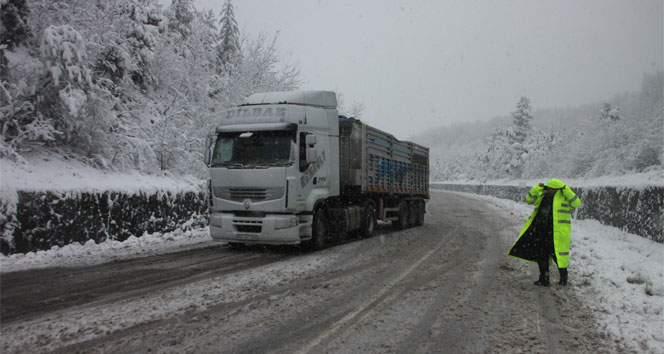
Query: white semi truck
column 285, row 168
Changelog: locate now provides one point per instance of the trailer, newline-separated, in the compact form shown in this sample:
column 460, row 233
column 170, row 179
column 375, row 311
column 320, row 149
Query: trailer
column 286, row 168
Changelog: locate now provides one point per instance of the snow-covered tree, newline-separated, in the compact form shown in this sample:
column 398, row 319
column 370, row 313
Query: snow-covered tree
column 498, row 156
column 63, row 50
column 14, row 28
column 228, row 49
column 522, row 121
column 609, row 114
column 182, row 13
column 508, row 148
column 125, row 84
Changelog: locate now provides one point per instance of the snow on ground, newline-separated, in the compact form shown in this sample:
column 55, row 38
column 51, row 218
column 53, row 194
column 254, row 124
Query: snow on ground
column 619, row 275
column 91, row 253
column 76, row 325
column 50, row 172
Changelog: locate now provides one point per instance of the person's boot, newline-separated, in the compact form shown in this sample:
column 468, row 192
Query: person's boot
column 543, row 279
column 563, row 276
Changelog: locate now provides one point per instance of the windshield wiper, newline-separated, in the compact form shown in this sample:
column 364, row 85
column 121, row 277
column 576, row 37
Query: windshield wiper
column 230, row 165
column 271, row 164
column 280, row 164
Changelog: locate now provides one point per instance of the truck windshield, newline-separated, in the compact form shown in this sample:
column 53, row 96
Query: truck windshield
column 257, row 149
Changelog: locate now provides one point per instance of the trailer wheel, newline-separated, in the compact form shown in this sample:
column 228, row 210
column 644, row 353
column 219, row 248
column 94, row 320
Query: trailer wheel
column 319, row 230
column 402, row 222
column 420, row 213
column 368, row 221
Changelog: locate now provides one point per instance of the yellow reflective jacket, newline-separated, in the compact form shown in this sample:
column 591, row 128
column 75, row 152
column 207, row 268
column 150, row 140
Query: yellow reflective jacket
column 564, row 201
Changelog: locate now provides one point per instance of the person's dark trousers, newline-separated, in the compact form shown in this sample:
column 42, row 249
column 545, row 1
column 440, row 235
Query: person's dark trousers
column 563, row 276
column 543, row 272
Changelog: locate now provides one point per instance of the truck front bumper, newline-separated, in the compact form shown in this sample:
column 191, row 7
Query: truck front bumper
column 274, row 229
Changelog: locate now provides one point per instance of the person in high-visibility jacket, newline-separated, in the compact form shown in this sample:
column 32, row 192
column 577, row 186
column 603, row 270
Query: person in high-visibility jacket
column 546, row 234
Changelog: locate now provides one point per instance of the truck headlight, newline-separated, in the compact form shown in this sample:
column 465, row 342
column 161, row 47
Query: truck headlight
column 285, row 223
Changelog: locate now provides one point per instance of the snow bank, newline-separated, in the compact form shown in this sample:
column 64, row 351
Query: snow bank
column 91, row 253
column 49, row 201
column 638, row 209
column 55, row 173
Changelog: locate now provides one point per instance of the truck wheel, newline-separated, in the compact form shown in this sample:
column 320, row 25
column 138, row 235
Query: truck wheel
column 402, row 222
column 413, row 213
column 319, row 230
column 420, row 213
column 368, row 221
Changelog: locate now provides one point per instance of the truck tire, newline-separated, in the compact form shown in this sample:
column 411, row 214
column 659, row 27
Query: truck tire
column 402, row 222
column 420, row 213
column 368, row 221
column 318, row 230
column 413, row 213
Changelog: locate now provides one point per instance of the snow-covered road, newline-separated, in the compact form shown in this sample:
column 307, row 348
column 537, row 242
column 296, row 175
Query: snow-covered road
column 443, row 287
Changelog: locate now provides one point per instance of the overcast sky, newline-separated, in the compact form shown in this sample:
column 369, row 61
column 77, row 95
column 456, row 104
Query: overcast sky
column 418, row 64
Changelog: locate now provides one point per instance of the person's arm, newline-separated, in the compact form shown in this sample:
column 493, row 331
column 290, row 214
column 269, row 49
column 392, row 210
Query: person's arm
column 534, row 192
column 573, row 199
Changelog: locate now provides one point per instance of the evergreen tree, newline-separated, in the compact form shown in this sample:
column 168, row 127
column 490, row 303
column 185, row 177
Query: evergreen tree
column 229, row 44
column 14, row 27
column 181, row 17
column 522, row 120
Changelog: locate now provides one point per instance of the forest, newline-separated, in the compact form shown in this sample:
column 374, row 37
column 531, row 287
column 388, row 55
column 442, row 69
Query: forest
column 126, row 84
column 621, row 136
column 130, row 85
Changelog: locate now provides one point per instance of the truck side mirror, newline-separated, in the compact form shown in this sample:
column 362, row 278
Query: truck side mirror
column 208, row 149
column 311, row 140
column 312, row 154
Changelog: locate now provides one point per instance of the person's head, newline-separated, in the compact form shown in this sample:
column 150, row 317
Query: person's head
column 552, row 186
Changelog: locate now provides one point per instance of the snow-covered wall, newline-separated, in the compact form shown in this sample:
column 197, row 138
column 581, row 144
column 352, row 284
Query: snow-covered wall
column 43, row 219
column 636, row 210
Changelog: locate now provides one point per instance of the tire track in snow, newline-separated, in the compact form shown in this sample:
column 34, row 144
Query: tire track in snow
column 358, row 313
column 361, row 247
column 61, row 289
column 454, row 335
column 342, row 309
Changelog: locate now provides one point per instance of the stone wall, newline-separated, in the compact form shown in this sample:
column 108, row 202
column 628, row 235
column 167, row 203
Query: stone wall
column 636, row 210
column 45, row 219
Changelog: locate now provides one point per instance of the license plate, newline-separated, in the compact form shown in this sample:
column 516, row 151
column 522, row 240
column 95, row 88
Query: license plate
column 247, row 237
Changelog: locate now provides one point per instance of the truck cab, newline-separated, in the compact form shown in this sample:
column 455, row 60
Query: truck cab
column 271, row 160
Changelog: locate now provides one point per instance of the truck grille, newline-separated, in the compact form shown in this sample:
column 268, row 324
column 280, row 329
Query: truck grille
column 253, row 194
column 251, row 226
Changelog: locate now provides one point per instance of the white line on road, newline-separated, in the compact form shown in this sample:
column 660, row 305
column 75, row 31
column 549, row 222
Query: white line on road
column 350, row 316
